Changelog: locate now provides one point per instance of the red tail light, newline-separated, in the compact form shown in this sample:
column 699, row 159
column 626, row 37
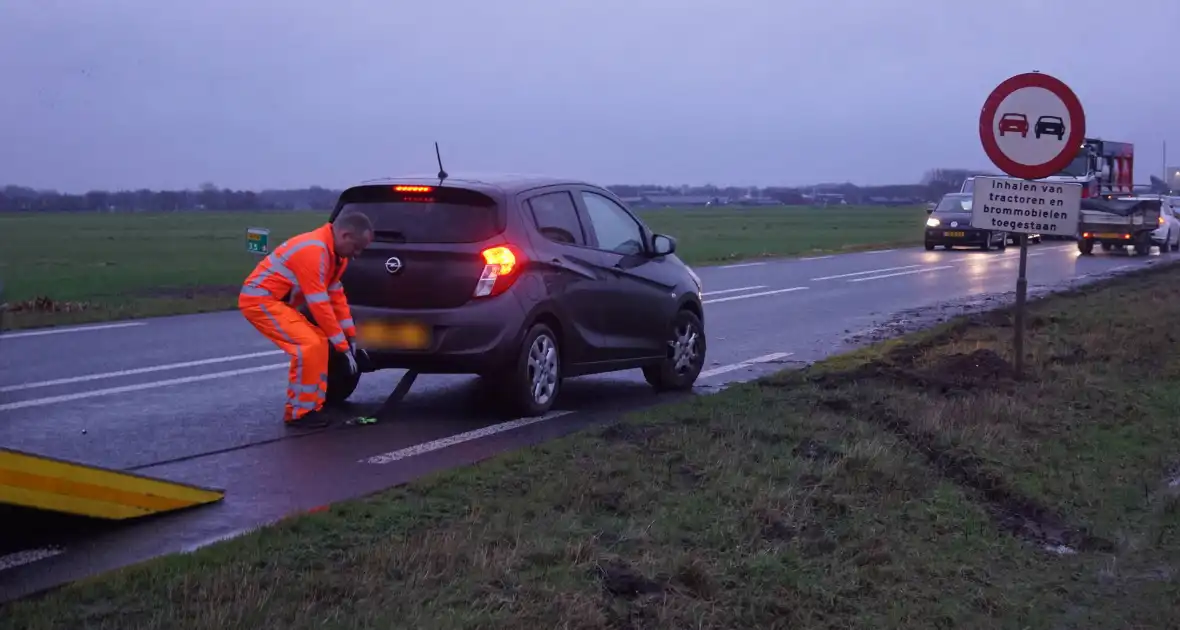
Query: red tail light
column 413, row 189
column 501, row 269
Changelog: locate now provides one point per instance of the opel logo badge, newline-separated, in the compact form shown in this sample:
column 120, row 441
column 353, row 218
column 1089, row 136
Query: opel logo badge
column 393, row 265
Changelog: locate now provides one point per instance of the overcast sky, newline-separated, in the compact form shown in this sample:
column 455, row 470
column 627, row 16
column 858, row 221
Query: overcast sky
column 287, row 93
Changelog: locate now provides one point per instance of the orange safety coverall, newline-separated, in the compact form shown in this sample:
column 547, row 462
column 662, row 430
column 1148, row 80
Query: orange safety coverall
column 304, row 269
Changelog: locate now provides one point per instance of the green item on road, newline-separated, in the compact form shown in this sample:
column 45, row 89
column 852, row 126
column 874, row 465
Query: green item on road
column 365, row 420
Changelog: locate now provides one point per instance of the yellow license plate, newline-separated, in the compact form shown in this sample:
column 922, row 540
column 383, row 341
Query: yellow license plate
column 393, row 336
column 954, row 234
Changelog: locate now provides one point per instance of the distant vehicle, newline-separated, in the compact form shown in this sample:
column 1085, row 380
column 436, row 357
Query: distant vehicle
column 950, row 226
column 1017, row 123
column 1014, row 238
column 1050, row 126
column 1167, row 236
column 523, row 281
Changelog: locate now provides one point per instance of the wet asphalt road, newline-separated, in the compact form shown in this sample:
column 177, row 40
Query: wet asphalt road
column 199, row 398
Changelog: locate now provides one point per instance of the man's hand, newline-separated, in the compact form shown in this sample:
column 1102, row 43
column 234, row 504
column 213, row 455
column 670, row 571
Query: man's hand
column 351, row 356
column 360, row 354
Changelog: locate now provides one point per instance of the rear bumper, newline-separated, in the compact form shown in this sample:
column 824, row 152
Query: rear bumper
column 479, row 337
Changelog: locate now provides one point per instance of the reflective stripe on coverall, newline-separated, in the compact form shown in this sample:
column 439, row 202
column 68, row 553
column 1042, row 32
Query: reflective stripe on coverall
column 304, row 269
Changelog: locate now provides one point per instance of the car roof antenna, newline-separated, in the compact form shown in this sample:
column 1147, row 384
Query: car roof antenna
column 441, row 173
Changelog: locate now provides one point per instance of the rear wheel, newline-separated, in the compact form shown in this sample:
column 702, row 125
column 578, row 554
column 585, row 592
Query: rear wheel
column 534, row 379
column 1086, row 246
column 686, row 355
column 341, row 383
column 1003, row 244
column 987, row 242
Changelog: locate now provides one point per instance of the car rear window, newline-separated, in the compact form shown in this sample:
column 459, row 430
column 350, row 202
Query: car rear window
column 426, row 214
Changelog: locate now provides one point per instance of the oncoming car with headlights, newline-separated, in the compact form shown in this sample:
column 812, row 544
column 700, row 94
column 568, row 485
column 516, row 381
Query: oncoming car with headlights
column 522, row 280
column 950, row 226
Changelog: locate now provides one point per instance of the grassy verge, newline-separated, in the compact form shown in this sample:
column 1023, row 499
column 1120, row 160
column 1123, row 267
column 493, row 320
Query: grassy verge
column 95, row 267
column 912, row 484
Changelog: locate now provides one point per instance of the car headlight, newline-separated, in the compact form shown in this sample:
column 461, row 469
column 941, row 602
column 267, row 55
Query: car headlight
column 696, row 279
column 932, row 222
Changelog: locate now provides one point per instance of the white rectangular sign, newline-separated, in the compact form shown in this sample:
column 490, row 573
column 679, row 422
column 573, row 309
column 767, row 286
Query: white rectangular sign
column 1026, row 207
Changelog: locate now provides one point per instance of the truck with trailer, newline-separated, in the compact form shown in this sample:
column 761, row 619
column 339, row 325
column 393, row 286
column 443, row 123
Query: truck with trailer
column 1104, row 168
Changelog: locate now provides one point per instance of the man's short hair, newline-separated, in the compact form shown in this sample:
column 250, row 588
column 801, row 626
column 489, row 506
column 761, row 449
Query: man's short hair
column 356, row 223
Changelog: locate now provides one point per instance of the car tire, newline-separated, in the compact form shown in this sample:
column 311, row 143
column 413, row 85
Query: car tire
column 1086, row 247
column 1003, row 244
column 929, row 246
column 987, row 243
column 537, row 365
column 341, row 383
column 686, row 347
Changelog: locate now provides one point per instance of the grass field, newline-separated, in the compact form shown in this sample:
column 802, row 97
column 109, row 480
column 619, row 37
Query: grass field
column 916, row 484
column 94, row 267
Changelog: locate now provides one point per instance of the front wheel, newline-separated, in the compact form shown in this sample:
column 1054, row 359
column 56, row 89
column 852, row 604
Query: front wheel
column 534, row 379
column 929, row 246
column 686, row 355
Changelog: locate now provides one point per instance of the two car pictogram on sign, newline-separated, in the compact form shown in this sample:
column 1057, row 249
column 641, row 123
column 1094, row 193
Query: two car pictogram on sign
column 1045, row 125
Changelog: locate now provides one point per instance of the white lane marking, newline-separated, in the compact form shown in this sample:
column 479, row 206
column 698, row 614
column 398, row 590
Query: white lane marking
column 754, row 264
column 766, row 358
column 28, row 556
column 818, row 257
column 458, row 438
column 62, row 331
column 134, row 371
column 901, row 273
column 753, row 295
column 880, row 251
column 760, row 286
column 39, row 402
column 864, row 273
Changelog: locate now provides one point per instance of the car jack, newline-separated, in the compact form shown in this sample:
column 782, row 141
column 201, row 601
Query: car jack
column 399, row 392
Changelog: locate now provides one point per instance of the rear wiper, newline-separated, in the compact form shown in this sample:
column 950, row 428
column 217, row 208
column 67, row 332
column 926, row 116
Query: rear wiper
column 389, row 236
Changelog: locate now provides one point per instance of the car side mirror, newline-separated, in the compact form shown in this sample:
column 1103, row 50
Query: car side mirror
column 662, row 244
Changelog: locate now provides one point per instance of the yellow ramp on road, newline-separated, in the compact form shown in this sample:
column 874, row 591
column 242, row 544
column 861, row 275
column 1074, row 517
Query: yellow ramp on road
column 44, row 483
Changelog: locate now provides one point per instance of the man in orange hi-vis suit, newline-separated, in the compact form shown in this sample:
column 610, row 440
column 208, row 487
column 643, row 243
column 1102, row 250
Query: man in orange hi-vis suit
column 307, row 268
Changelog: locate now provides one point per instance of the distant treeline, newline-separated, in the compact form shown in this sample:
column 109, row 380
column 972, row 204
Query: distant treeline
column 207, row 197
column 210, row 197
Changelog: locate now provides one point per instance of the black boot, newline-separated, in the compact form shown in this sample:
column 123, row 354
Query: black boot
column 310, row 420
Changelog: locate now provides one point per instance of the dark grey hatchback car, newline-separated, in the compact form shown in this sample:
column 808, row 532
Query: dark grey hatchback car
column 523, row 281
